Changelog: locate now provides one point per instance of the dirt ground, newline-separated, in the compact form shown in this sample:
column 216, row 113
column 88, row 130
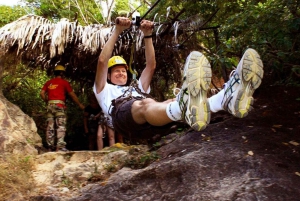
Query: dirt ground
column 271, row 130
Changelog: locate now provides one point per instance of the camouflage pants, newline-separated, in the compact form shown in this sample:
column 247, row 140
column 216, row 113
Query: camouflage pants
column 56, row 126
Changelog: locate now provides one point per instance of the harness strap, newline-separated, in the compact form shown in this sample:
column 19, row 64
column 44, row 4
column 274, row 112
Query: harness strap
column 56, row 102
column 127, row 95
column 135, row 85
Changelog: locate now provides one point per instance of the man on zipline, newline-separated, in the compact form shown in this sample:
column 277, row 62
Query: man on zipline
column 139, row 117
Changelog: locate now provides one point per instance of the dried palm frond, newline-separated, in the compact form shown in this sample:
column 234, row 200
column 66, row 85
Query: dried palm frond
column 43, row 43
column 39, row 38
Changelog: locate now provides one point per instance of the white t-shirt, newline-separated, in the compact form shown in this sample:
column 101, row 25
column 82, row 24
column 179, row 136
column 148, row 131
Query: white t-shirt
column 111, row 92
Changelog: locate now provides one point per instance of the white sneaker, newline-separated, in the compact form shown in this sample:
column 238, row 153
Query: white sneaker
column 244, row 80
column 192, row 97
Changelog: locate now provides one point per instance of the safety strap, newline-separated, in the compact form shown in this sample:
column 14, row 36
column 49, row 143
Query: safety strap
column 127, row 95
column 133, row 54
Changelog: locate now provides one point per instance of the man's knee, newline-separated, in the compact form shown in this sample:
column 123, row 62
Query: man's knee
column 140, row 109
column 143, row 104
column 100, row 132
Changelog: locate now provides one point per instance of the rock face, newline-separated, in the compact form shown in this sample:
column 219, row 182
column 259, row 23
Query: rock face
column 18, row 132
column 249, row 159
column 63, row 173
column 193, row 168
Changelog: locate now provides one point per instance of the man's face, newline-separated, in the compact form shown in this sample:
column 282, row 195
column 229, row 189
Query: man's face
column 118, row 75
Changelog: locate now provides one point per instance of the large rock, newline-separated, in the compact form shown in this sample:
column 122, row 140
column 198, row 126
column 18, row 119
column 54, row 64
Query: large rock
column 249, row 159
column 61, row 175
column 195, row 168
column 18, row 132
column 77, row 166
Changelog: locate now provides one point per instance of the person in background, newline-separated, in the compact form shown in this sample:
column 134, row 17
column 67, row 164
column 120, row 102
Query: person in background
column 112, row 135
column 91, row 118
column 54, row 93
column 103, row 135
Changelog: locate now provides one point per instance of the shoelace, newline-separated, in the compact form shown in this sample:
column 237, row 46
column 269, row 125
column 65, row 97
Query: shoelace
column 176, row 91
column 230, row 75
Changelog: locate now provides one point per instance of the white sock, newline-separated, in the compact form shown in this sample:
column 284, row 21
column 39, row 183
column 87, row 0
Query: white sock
column 173, row 111
column 215, row 102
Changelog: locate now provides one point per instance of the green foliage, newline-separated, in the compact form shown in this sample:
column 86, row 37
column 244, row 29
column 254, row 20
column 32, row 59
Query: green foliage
column 9, row 14
column 245, row 24
column 141, row 161
column 122, row 6
column 110, row 167
column 85, row 12
column 22, row 88
column 66, row 181
column 256, row 26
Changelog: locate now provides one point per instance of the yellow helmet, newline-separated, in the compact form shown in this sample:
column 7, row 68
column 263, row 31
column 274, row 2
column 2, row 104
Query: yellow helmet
column 116, row 60
column 59, row 67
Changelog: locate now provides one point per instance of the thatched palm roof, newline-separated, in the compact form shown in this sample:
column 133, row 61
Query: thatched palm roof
column 44, row 44
column 38, row 39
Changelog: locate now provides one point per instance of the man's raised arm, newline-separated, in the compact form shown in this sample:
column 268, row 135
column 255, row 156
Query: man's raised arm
column 147, row 28
column 106, row 53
